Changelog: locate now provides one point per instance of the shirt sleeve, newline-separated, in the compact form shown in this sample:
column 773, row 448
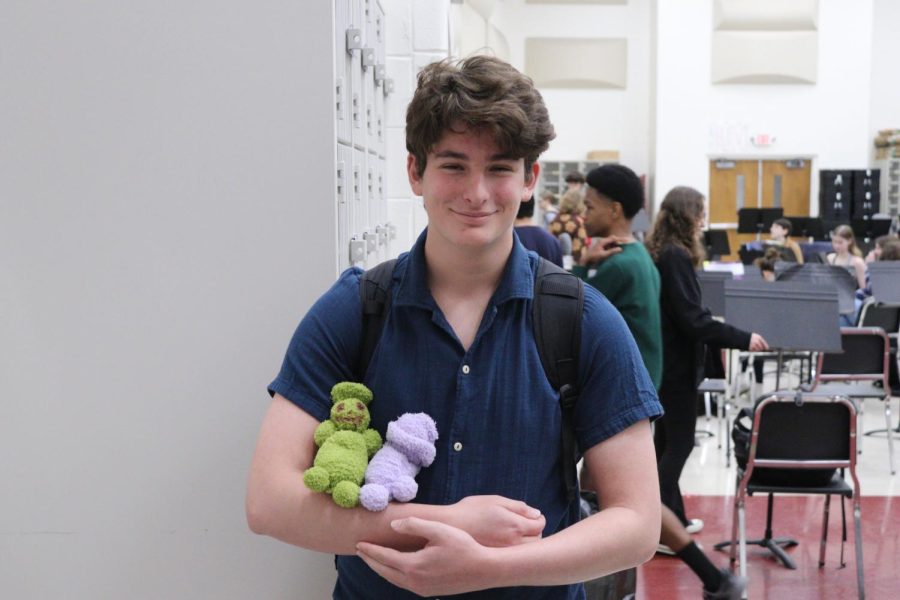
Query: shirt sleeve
column 323, row 349
column 615, row 390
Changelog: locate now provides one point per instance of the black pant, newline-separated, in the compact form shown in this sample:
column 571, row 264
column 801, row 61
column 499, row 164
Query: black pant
column 674, row 441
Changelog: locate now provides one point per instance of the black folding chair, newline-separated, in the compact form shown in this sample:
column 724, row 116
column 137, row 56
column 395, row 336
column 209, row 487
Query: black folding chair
column 860, row 371
column 800, row 443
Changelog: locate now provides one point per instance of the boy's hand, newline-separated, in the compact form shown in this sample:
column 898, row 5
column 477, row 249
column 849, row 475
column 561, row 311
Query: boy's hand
column 451, row 562
column 497, row 521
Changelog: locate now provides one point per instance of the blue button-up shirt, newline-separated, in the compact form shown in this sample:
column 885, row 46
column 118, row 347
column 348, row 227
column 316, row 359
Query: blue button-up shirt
column 498, row 418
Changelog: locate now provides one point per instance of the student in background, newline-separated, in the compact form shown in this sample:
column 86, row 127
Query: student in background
column 568, row 226
column 549, row 207
column 780, row 232
column 674, row 244
column 875, row 253
column 620, row 267
column 575, row 181
column 846, row 254
column 534, row 237
column 766, row 263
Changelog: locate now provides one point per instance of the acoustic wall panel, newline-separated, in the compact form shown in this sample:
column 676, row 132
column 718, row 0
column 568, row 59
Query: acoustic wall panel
column 764, row 56
column 766, row 15
column 598, row 2
column 577, row 62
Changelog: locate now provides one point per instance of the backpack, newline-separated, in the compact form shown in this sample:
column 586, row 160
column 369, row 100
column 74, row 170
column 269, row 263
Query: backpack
column 556, row 318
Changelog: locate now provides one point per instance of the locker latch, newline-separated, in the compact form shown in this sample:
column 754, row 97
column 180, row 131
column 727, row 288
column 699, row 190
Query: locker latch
column 354, row 40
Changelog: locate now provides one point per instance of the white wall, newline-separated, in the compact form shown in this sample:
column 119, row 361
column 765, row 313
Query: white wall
column 696, row 119
column 885, row 90
column 167, row 216
column 591, row 119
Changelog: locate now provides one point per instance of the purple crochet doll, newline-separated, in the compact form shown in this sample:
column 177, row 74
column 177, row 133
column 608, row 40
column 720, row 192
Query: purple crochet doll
column 409, row 446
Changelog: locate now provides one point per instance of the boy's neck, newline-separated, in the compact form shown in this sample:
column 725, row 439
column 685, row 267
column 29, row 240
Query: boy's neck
column 621, row 228
column 464, row 270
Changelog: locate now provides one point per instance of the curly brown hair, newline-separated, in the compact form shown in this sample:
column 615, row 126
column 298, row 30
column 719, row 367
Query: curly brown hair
column 676, row 224
column 480, row 93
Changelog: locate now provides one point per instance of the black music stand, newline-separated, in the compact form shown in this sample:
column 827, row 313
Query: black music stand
column 712, row 290
column 885, row 278
column 716, row 243
column 757, row 220
column 790, row 315
column 807, row 227
column 869, row 229
column 837, row 278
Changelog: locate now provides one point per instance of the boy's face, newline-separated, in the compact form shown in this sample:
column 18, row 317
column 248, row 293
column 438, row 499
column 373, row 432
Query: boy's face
column 778, row 232
column 600, row 213
column 471, row 191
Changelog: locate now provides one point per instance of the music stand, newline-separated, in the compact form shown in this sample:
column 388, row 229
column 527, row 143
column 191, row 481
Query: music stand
column 716, row 243
column 868, row 229
column 836, row 278
column 807, row 227
column 712, row 290
column 757, row 220
column 884, row 276
column 794, row 316
column 748, row 255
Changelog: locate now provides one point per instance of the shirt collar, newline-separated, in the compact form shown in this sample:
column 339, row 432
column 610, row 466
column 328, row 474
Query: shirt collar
column 517, row 281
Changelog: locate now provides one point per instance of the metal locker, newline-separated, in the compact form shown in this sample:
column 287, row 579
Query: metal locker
column 374, row 216
column 359, row 211
column 343, row 197
column 342, row 56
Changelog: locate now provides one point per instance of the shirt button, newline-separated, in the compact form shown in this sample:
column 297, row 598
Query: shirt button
column 465, row 369
column 457, row 446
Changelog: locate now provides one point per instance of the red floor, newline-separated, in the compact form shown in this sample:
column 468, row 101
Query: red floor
column 799, row 517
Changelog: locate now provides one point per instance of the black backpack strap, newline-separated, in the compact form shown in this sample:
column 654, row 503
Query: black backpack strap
column 375, row 298
column 556, row 314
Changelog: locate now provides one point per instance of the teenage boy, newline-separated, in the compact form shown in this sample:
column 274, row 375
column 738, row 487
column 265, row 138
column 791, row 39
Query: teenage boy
column 780, row 232
column 492, row 515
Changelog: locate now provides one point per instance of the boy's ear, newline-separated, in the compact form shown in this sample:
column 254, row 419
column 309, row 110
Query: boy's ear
column 412, row 172
column 531, row 179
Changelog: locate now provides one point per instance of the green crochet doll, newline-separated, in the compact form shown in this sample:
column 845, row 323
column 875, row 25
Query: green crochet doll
column 345, row 445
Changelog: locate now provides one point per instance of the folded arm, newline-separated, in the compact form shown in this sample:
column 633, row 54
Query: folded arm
column 623, row 534
column 279, row 504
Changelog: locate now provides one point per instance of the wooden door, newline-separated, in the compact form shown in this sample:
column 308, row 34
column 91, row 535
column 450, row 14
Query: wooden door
column 786, row 184
column 733, row 184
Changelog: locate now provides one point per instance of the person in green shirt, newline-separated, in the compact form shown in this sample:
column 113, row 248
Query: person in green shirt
column 617, row 264
column 621, row 268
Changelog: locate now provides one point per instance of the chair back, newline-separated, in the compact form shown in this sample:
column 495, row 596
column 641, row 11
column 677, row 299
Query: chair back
column 810, row 430
column 886, row 316
column 803, row 430
column 864, row 357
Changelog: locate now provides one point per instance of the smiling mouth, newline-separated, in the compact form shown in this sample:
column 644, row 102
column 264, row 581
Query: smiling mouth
column 469, row 215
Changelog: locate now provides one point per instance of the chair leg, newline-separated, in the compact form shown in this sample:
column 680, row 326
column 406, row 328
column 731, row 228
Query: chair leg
column 824, row 541
column 721, row 406
column 890, row 432
column 742, row 540
column 857, row 534
column 737, row 514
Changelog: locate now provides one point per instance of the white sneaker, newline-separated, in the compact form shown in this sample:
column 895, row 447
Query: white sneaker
column 694, row 526
column 663, row 549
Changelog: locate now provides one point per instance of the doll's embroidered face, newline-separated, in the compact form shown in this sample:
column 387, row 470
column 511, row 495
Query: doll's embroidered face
column 350, row 414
